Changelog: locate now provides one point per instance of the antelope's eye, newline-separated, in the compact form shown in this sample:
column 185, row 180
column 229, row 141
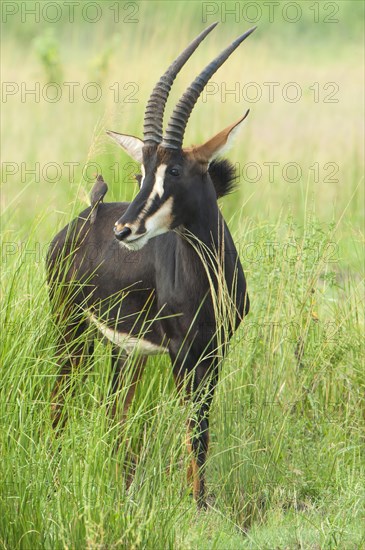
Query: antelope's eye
column 174, row 171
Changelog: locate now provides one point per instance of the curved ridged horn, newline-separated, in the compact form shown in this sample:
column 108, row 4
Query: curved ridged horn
column 153, row 119
column 180, row 116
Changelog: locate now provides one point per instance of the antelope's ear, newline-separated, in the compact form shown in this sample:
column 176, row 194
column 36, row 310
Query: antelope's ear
column 220, row 142
column 131, row 145
column 138, row 178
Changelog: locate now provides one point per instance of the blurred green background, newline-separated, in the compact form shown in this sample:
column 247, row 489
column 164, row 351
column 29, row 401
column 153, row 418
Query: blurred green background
column 306, row 50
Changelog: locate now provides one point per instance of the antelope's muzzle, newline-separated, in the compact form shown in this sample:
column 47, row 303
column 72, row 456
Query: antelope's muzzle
column 121, row 232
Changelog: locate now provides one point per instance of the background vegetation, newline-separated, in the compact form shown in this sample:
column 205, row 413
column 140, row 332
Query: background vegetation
column 286, row 466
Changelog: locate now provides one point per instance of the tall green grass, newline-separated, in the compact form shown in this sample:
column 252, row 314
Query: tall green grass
column 286, row 462
column 287, row 423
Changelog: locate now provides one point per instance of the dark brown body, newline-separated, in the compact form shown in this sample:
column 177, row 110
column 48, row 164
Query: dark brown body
column 160, row 294
column 160, row 274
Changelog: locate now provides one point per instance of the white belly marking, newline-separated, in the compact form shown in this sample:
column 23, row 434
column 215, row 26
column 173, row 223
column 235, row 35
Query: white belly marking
column 126, row 341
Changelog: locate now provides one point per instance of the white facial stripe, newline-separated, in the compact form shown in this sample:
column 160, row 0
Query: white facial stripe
column 143, row 175
column 156, row 190
column 160, row 221
column 159, row 180
column 157, row 224
column 127, row 342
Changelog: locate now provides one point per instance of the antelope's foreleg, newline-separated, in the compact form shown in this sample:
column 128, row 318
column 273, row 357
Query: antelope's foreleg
column 197, row 446
column 200, row 389
column 124, row 376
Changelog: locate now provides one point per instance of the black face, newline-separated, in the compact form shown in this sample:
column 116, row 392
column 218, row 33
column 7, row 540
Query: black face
column 173, row 186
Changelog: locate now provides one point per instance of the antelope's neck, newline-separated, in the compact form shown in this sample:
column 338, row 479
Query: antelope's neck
column 198, row 245
column 206, row 233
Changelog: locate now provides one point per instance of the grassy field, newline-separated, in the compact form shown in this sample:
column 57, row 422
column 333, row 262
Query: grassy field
column 286, row 466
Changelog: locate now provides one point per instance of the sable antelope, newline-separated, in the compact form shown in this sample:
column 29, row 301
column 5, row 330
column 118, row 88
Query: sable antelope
column 162, row 260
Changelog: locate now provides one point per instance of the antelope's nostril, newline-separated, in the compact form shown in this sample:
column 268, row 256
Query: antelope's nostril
column 120, row 235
